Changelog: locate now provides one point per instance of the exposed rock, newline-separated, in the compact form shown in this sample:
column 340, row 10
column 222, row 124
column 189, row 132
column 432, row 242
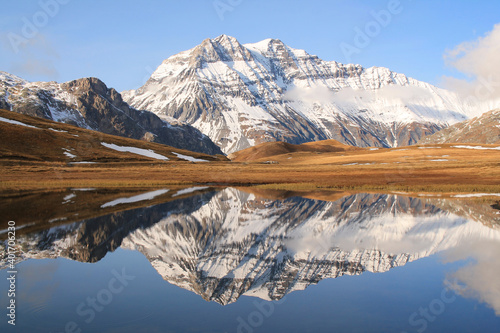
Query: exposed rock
column 483, row 129
column 89, row 103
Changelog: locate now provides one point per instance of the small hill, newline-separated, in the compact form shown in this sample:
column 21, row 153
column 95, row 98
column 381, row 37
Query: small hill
column 32, row 139
column 271, row 149
column 484, row 129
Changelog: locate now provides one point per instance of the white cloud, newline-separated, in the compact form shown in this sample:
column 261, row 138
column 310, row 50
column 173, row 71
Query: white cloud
column 37, row 58
column 315, row 94
column 404, row 93
column 323, row 95
column 478, row 60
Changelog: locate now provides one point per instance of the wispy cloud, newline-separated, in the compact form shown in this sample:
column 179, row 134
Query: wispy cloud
column 478, row 60
column 323, row 95
column 315, row 94
column 36, row 67
column 36, row 58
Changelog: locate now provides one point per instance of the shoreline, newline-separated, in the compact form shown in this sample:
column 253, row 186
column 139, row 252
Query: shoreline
column 472, row 178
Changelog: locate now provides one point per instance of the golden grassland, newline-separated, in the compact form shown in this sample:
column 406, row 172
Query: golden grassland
column 465, row 170
column 35, row 158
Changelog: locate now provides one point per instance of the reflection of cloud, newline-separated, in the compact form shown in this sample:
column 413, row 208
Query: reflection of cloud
column 479, row 60
column 480, row 278
column 390, row 234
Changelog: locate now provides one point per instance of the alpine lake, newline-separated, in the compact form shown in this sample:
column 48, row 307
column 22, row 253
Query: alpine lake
column 215, row 259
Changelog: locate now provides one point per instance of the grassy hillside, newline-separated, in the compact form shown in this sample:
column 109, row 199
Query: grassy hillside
column 32, row 139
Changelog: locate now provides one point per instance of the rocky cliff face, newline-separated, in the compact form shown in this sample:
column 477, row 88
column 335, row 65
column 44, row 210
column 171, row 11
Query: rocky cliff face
column 89, row 103
column 483, row 129
column 243, row 95
column 230, row 243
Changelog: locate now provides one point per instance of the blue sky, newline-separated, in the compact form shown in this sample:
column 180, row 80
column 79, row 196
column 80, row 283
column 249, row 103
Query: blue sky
column 122, row 42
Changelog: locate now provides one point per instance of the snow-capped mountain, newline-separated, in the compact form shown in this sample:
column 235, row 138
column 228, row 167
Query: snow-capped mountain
column 89, row 103
column 243, row 95
column 483, row 129
column 230, row 243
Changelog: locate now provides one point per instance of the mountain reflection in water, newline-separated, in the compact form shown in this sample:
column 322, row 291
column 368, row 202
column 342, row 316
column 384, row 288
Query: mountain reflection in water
column 223, row 244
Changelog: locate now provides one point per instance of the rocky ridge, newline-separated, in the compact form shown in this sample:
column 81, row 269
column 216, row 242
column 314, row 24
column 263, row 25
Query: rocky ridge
column 89, row 103
column 483, row 129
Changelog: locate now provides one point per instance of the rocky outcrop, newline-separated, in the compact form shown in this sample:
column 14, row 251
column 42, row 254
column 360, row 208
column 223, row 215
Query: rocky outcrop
column 89, row 103
column 483, row 129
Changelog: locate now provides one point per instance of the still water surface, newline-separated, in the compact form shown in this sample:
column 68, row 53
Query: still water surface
column 227, row 260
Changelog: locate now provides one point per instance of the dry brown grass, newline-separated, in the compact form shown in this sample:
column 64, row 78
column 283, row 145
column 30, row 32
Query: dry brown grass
column 472, row 172
column 50, row 141
column 36, row 161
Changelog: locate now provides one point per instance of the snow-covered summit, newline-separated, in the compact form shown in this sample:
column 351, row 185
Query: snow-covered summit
column 244, row 94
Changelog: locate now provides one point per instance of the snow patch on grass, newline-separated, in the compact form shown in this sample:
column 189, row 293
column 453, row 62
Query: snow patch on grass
column 68, row 198
column 189, row 158
column 55, row 130
column 477, row 147
column 475, row 195
column 68, row 153
column 135, row 150
column 14, row 122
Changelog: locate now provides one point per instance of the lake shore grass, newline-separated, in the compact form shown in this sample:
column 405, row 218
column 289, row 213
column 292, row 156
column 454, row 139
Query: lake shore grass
column 456, row 177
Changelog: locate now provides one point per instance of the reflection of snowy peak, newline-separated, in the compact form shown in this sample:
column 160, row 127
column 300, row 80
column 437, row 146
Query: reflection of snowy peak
column 230, row 243
column 237, row 244
column 242, row 95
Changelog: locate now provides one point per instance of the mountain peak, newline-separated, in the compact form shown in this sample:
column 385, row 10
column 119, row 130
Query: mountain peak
column 87, row 84
column 223, row 48
column 224, row 39
column 244, row 95
column 277, row 48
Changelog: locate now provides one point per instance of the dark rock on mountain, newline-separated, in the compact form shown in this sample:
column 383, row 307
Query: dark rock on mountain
column 89, row 103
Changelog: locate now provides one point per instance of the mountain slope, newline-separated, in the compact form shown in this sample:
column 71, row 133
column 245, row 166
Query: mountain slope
column 89, row 103
column 483, row 129
column 243, row 95
column 26, row 138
